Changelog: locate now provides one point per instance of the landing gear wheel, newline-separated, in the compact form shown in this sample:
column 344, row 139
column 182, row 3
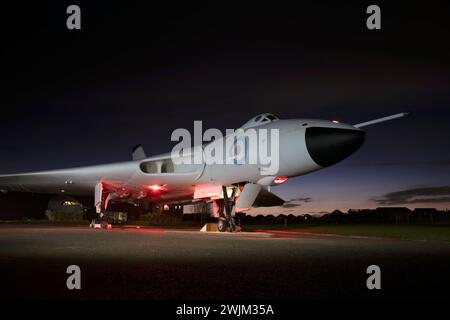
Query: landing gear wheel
column 226, row 221
column 231, row 225
column 222, row 225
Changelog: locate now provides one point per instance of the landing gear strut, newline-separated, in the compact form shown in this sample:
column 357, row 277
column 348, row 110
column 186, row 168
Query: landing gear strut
column 226, row 221
column 101, row 201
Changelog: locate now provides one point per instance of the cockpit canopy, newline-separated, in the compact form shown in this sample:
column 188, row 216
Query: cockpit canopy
column 260, row 119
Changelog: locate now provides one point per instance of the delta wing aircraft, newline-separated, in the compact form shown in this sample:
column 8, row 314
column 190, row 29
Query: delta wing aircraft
column 304, row 146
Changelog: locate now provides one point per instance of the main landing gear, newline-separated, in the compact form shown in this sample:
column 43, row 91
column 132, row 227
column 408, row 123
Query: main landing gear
column 226, row 221
column 101, row 203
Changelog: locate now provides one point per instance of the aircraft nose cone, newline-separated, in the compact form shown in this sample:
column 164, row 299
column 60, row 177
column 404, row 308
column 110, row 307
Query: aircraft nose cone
column 327, row 146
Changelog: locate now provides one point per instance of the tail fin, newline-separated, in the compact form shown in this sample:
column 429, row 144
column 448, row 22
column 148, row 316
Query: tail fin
column 138, row 153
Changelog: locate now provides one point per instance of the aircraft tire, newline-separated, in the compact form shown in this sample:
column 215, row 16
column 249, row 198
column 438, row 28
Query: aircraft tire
column 222, row 225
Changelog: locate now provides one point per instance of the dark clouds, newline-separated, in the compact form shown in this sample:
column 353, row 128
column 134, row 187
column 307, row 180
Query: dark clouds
column 296, row 202
column 290, row 205
column 302, row 199
column 418, row 195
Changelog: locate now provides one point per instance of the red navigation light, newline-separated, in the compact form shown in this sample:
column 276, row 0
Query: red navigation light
column 157, row 187
column 280, row 180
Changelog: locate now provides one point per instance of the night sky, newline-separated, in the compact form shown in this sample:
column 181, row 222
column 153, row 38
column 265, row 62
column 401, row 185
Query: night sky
column 135, row 73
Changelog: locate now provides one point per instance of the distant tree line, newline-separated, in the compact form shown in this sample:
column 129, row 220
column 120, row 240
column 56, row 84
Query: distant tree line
column 16, row 206
column 385, row 215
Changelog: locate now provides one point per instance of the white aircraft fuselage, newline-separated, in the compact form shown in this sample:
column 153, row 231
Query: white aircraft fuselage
column 303, row 145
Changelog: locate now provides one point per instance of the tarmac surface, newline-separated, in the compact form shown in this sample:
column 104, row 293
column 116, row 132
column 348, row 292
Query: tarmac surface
column 188, row 265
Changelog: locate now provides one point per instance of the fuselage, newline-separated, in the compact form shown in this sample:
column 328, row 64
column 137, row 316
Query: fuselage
column 305, row 145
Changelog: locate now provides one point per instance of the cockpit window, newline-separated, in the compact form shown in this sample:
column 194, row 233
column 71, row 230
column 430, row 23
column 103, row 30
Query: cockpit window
column 260, row 119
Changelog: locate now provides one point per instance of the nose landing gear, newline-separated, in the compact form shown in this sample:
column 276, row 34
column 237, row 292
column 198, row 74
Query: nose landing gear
column 226, row 221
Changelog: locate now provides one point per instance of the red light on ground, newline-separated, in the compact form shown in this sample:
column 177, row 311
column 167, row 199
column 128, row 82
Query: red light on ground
column 157, row 187
column 280, row 180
